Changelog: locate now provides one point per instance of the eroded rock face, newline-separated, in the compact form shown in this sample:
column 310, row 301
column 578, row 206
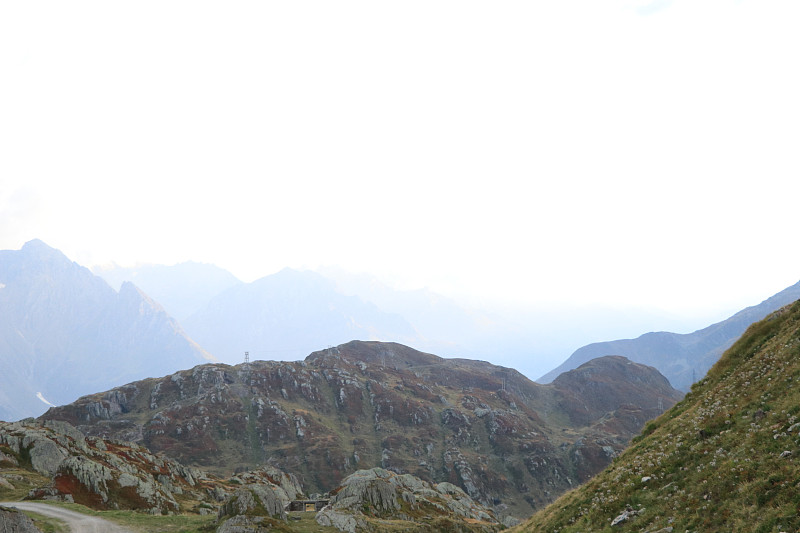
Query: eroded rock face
column 95, row 472
column 13, row 521
column 380, row 494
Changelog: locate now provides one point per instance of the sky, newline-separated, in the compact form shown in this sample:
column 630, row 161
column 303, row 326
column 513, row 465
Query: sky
column 621, row 153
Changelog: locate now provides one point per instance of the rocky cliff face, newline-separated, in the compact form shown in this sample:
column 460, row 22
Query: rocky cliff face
column 65, row 333
column 506, row 441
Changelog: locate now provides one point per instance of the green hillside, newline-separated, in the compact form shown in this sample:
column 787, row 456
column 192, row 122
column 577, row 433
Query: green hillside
column 726, row 458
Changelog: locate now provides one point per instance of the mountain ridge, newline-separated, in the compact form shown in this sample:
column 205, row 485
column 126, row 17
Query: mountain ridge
column 488, row 429
column 679, row 356
column 66, row 332
column 289, row 313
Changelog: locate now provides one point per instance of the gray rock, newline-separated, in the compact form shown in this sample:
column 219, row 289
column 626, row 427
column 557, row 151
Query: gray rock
column 379, row 493
column 626, row 515
column 13, row 521
column 9, row 459
column 371, row 487
column 250, row 500
column 46, row 455
column 341, row 521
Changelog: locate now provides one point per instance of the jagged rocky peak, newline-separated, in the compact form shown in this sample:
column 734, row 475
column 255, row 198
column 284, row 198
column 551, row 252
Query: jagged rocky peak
column 37, row 250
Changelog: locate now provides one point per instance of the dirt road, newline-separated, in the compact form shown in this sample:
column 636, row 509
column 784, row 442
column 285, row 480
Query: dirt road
column 78, row 523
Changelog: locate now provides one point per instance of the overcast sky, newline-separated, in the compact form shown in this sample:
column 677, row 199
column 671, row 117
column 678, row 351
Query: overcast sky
column 613, row 152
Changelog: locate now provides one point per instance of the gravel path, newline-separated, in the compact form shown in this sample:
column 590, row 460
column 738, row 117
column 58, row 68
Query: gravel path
column 78, row 523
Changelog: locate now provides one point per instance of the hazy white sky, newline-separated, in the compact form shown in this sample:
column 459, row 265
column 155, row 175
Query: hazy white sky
column 615, row 152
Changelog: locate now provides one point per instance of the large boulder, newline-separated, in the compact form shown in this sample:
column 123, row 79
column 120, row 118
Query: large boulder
column 254, row 500
column 368, row 498
column 289, row 484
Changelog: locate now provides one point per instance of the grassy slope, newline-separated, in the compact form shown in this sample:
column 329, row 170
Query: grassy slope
column 184, row 523
column 715, row 458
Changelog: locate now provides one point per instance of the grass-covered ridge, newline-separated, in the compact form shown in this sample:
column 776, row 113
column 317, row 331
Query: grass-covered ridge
column 726, row 458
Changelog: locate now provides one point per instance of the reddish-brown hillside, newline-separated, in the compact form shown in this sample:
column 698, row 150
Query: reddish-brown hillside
column 508, row 442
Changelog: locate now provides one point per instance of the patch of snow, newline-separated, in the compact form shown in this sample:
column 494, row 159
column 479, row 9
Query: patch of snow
column 39, row 395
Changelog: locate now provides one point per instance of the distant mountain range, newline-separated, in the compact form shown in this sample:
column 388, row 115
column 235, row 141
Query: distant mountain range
column 287, row 315
column 182, row 289
column 332, row 306
column 65, row 333
column 682, row 358
column 507, row 441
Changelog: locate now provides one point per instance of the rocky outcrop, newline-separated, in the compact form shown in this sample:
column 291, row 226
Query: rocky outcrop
column 257, row 500
column 13, row 521
column 368, row 498
column 287, row 486
column 263, row 498
column 98, row 473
